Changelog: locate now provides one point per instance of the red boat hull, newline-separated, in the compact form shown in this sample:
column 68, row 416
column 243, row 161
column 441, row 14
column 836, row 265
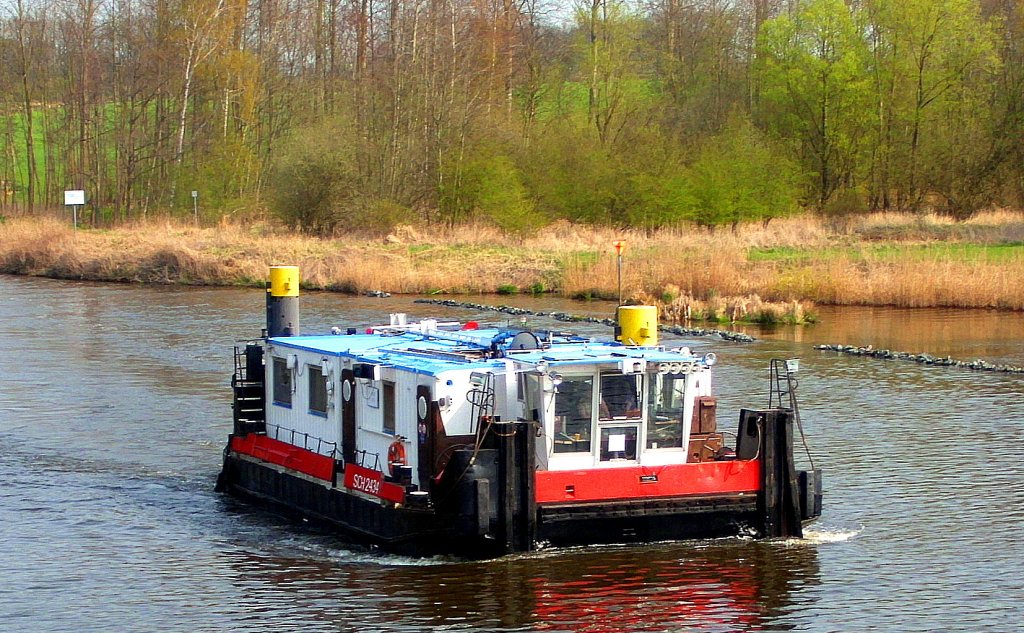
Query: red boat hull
column 648, row 482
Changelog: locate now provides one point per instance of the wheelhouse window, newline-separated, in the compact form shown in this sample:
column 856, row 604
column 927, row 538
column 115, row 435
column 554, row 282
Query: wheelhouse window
column 665, row 400
column 282, row 388
column 529, row 395
column 389, row 407
column 621, row 396
column 574, row 405
column 317, row 390
column 618, row 443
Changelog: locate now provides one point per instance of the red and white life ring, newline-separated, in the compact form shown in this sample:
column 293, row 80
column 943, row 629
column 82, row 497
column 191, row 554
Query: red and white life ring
column 396, row 456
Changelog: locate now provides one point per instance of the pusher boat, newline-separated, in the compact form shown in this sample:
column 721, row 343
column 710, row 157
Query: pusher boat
column 439, row 437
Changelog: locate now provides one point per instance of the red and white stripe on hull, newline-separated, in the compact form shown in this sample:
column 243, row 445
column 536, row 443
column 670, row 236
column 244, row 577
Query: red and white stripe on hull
column 648, row 482
column 365, row 480
column 371, row 482
column 282, row 454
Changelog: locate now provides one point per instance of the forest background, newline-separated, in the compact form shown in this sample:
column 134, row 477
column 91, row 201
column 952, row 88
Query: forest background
column 363, row 114
column 205, row 131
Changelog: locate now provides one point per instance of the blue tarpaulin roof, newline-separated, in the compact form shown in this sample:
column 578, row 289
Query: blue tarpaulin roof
column 436, row 353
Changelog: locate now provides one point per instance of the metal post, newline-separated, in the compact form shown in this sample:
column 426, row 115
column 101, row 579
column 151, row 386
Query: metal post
column 620, row 279
column 74, row 198
column 195, row 206
column 619, row 245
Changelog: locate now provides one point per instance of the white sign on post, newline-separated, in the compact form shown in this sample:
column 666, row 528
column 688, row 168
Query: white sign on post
column 74, row 197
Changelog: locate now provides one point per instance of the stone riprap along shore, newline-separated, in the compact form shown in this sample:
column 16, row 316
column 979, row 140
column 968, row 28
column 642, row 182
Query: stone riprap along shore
column 565, row 317
column 924, row 359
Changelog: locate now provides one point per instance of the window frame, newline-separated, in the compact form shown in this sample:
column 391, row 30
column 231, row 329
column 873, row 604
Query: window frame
column 676, row 422
column 636, row 396
column 316, row 381
column 281, row 382
column 604, row 452
column 569, row 445
column 388, row 394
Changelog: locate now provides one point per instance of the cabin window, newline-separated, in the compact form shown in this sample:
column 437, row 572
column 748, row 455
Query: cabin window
column 618, row 443
column 282, row 382
column 621, row 396
column 665, row 400
column 574, row 404
column 533, row 397
column 389, row 407
column 317, row 390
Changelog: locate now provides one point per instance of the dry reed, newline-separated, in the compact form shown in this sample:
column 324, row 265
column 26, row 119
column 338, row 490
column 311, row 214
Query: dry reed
column 683, row 268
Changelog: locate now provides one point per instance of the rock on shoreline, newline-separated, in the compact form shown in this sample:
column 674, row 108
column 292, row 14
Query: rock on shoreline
column 924, row 359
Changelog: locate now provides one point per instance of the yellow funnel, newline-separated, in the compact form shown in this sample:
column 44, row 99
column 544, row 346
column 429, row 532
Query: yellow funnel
column 284, row 281
column 638, row 325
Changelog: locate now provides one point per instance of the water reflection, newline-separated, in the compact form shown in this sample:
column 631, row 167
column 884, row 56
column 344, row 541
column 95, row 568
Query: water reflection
column 722, row 586
column 992, row 335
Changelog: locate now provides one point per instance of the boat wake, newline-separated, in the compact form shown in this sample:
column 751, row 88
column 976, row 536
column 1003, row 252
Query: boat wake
column 824, row 534
column 360, row 556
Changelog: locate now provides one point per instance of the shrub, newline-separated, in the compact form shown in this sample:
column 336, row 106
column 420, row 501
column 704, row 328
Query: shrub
column 489, row 186
column 311, row 178
column 375, row 216
column 572, row 176
column 740, row 176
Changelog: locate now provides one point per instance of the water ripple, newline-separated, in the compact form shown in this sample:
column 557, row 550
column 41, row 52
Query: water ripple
column 112, row 433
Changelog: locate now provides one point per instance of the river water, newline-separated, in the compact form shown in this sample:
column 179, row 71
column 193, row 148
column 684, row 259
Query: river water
column 115, row 405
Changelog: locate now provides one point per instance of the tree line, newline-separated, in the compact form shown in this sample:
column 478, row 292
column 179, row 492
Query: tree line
column 360, row 114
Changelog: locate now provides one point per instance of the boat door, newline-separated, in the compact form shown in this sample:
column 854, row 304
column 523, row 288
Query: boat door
column 619, row 418
column 572, row 430
column 598, row 419
column 668, row 413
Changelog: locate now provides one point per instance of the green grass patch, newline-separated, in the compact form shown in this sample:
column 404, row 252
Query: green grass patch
column 783, row 254
column 15, row 123
column 583, row 259
column 983, row 253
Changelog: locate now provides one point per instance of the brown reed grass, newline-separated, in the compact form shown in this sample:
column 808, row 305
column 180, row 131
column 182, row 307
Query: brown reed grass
column 711, row 273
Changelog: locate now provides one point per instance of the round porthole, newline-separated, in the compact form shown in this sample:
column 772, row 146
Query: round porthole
column 346, row 390
column 421, row 407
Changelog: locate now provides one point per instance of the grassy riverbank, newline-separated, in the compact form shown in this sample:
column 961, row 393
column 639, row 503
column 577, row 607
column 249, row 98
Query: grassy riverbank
column 755, row 271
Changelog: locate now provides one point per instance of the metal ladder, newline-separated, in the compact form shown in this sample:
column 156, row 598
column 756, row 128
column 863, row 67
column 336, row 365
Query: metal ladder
column 481, row 401
column 782, row 386
column 782, row 394
column 249, row 402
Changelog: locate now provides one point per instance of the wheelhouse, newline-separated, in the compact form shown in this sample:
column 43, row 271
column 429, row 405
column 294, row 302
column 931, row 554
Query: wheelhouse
column 596, row 405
